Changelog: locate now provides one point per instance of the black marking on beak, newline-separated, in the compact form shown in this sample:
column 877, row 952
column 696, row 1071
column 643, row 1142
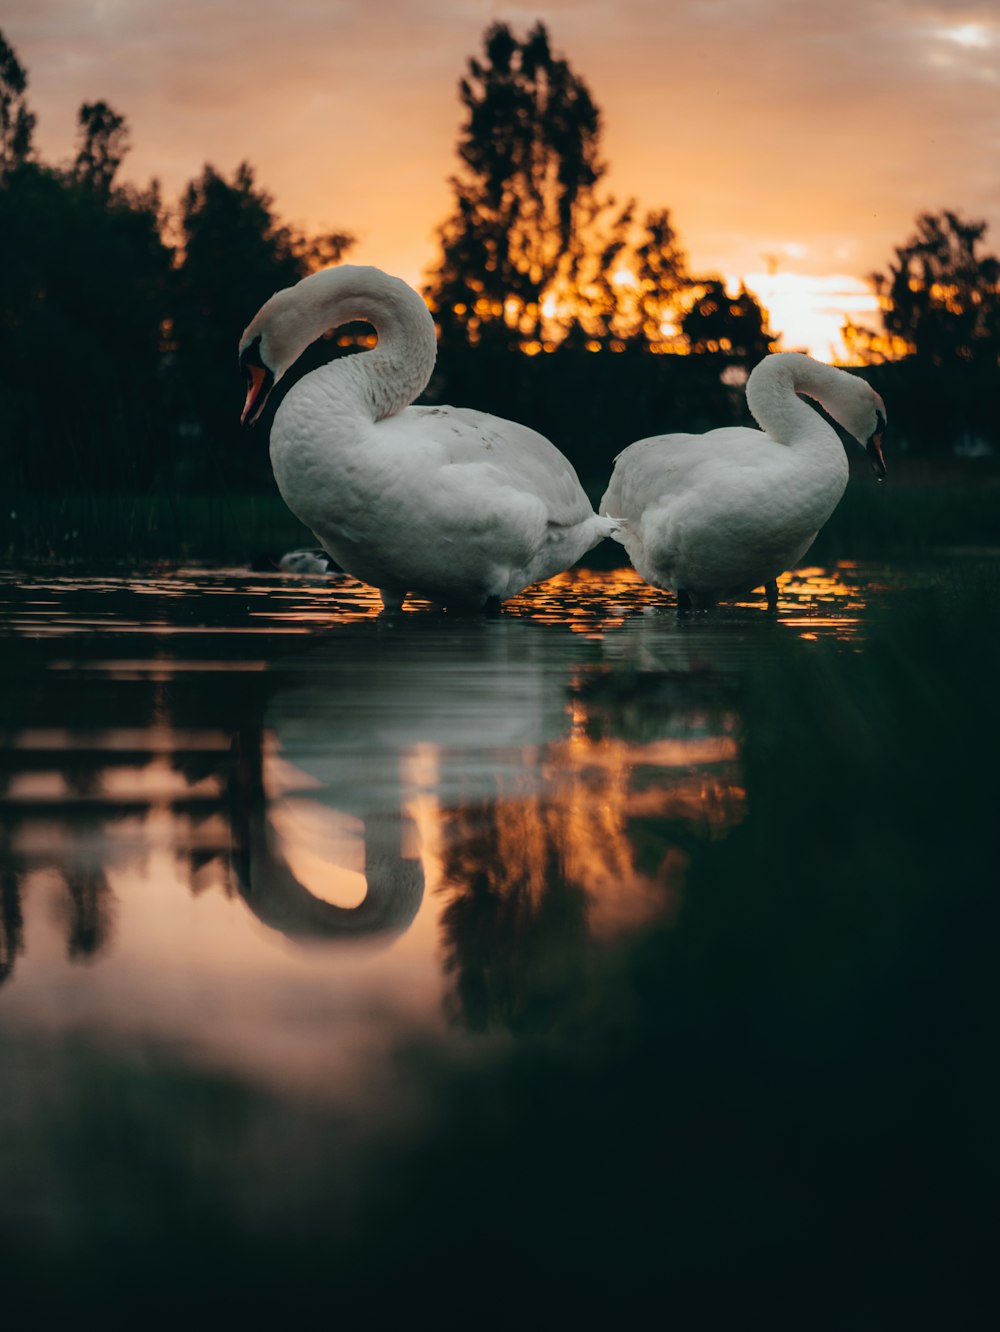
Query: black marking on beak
column 260, row 381
column 874, row 448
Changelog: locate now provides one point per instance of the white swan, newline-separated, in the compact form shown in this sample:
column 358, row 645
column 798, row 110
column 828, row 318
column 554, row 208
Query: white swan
column 715, row 515
column 447, row 503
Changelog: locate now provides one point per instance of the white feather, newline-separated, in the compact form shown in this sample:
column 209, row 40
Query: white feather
column 719, row 514
column 444, row 502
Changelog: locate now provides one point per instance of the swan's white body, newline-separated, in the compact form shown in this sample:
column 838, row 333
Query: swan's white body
column 715, row 515
column 442, row 502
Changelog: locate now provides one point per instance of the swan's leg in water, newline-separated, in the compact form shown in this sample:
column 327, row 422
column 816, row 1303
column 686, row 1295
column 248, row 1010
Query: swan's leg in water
column 771, row 589
column 392, row 601
column 683, row 600
column 491, row 607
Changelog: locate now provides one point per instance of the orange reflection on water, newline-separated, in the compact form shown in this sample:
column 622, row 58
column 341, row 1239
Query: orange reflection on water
column 168, row 874
column 599, row 846
column 814, row 599
column 343, row 834
column 593, row 602
column 171, row 865
column 587, row 601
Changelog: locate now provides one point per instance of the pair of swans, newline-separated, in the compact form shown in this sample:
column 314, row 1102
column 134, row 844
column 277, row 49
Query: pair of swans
column 466, row 509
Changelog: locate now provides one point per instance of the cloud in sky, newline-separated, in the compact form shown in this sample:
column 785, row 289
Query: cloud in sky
column 808, row 134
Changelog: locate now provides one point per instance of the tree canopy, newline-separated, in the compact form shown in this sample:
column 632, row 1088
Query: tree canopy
column 234, row 253
column 534, row 255
column 937, row 355
column 526, row 195
column 728, row 327
column 940, row 299
column 139, row 332
column 17, row 123
column 103, row 138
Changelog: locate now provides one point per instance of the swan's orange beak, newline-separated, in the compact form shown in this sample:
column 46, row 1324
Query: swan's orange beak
column 874, row 451
column 874, row 445
column 259, row 381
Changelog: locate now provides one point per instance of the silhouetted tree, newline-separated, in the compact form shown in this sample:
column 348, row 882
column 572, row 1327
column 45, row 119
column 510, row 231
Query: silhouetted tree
column 235, row 254
column 936, row 358
column 104, row 140
column 732, row 328
column 118, row 362
column 17, row 123
column 662, row 278
column 940, row 300
column 525, row 198
column 81, row 308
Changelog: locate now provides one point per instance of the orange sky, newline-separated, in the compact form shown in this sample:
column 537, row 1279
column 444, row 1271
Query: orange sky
column 794, row 143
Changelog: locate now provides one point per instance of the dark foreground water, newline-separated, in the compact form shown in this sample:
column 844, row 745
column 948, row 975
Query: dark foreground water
column 437, row 967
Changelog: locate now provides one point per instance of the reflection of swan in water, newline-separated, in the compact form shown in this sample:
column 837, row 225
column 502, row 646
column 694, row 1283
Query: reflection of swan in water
column 395, row 884
column 537, row 808
column 719, row 647
column 371, row 695
column 347, row 718
column 296, row 562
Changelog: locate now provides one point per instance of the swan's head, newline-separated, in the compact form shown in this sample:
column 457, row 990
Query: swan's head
column 270, row 344
column 874, row 441
column 873, row 444
column 285, row 326
column 861, row 411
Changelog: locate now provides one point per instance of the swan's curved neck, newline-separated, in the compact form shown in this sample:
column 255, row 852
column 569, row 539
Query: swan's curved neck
column 772, row 396
column 397, row 370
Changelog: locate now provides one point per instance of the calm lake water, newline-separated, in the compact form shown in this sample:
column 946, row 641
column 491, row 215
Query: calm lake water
column 587, row 948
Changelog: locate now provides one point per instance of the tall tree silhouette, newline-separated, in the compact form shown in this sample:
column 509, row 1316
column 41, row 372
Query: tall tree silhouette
column 940, row 300
column 17, row 123
column 235, row 254
column 103, row 142
column 937, row 355
column 83, row 308
column 525, row 197
column 732, row 328
column 662, row 278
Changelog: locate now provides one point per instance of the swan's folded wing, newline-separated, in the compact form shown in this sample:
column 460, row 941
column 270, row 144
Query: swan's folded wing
column 511, row 455
column 652, row 471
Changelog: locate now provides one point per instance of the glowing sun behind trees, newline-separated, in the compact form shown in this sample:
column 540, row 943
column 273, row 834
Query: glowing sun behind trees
column 534, row 254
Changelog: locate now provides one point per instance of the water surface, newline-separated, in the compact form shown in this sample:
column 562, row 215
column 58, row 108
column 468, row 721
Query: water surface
column 256, row 833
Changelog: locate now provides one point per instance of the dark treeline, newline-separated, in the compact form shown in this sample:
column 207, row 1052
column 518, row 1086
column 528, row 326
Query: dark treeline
column 119, row 319
column 938, row 353
column 119, row 316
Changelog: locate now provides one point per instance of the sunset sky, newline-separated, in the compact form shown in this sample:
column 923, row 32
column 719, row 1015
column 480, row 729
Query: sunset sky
column 794, row 143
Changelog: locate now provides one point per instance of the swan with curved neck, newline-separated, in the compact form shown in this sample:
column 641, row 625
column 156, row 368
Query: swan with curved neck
column 713, row 516
column 442, row 502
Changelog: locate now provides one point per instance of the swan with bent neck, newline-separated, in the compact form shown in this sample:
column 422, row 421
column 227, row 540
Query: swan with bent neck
column 714, row 516
column 446, row 503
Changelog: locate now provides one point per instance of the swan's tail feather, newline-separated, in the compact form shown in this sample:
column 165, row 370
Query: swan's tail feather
column 613, row 528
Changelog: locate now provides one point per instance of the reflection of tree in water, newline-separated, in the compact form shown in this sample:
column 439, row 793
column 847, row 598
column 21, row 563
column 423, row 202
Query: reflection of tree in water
column 90, row 913
column 88, row 906
column 537, row 883
column 11, row 923
column 515, row 927
column 89, row 909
